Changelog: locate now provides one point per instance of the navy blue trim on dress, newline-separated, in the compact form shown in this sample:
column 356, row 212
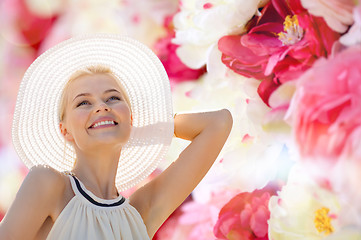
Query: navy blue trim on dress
column 122, row 200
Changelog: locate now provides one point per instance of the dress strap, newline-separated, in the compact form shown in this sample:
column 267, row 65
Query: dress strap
column 80, row 190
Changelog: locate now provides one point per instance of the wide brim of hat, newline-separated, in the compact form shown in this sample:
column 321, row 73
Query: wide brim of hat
column 35, row 131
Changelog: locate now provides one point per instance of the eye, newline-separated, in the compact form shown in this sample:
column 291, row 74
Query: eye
column 81, row 103
column 114, row 97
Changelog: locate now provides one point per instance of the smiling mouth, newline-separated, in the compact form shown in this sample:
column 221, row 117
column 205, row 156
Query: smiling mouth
column 103, row 125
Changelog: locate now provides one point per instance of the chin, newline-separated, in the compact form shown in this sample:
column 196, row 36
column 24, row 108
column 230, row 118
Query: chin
column 114, row 141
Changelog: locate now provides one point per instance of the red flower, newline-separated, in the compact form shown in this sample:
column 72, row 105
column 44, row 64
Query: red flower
column 245, row 216
column 285, row 41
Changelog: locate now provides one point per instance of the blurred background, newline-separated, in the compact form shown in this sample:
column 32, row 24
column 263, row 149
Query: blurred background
column 290, row 73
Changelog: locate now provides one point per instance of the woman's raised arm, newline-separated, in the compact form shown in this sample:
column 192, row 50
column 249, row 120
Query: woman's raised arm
column 208, row 132
column 36, row 198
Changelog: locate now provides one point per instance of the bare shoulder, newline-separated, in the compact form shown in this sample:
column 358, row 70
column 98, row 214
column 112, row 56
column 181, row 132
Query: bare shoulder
column 36, row 200
column 45, row 180
column 45, row 172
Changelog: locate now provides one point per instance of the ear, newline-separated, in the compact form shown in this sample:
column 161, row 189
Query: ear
column 64, row 131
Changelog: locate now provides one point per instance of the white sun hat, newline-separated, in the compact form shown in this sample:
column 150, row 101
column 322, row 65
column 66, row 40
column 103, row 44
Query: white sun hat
column 35, row 130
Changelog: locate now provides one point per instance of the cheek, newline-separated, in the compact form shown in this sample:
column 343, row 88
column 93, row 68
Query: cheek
column 121, row 107
column 126, row 110
column 79, row 117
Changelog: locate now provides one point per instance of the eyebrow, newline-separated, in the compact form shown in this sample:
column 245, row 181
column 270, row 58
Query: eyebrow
column 87, row 94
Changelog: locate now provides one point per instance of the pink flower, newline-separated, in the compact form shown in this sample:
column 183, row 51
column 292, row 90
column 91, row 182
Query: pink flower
column 200, row 217
column 326, row 107
column 194, row 220
column 337, row 13
column 285, row 41
column 245, row 216
column 166, row 51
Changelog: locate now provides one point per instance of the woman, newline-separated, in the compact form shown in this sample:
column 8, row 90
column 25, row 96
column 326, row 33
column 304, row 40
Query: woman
column 112, row 101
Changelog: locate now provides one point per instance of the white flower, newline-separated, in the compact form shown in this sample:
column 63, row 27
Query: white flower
column 45, row 8
column 306, row 210
column 353, row 36
column 201, row 23
column 345, row 179
column 337, row 14
column 349, row 233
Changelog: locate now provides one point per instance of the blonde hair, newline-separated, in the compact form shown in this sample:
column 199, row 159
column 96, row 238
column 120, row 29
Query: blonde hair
column 91, row 70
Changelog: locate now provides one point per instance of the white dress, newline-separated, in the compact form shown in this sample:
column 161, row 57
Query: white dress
column 87, row 216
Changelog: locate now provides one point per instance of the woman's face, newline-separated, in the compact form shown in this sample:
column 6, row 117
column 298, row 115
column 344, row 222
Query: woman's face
column 91, row 99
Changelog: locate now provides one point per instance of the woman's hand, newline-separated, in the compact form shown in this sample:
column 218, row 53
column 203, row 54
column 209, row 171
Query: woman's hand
column 208, row 132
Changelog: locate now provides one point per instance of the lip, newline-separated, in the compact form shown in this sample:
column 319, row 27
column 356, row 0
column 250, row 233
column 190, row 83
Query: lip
column 102, row 119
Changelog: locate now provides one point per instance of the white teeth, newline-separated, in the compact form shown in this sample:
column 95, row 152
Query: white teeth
column 103, row 123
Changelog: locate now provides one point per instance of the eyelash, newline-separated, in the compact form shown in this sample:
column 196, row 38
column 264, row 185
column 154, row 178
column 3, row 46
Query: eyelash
column 81, row 103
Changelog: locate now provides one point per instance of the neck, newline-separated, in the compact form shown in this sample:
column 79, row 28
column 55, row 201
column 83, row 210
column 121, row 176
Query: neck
column 97, row 170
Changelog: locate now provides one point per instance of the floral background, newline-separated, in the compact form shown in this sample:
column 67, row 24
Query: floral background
column 288, row 70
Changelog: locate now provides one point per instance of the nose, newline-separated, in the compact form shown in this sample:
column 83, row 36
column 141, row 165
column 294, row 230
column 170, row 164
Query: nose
column 102, row 107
